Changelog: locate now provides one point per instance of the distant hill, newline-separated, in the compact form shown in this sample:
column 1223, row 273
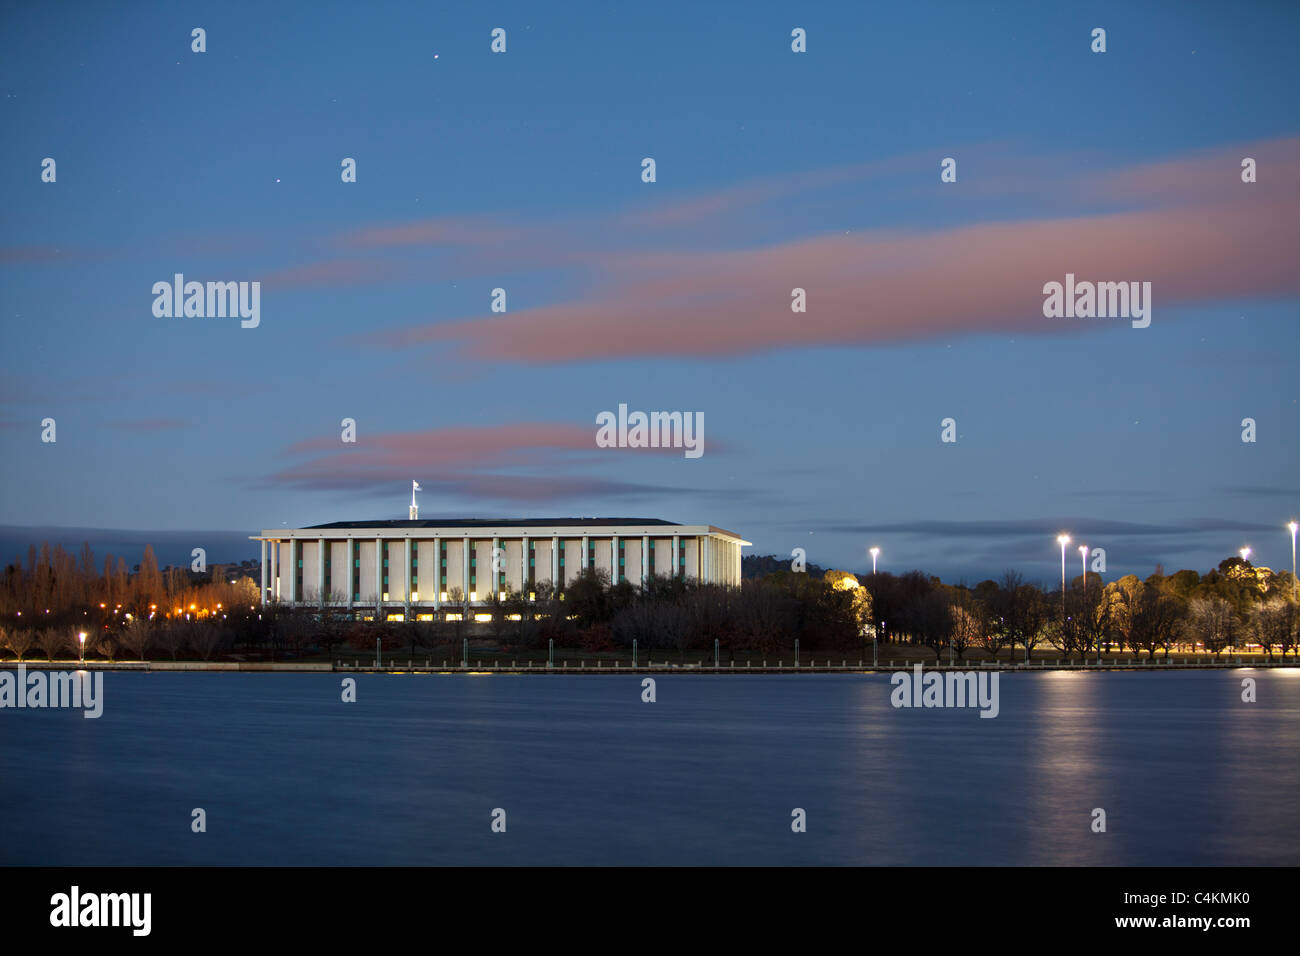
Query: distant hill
column 758, row 565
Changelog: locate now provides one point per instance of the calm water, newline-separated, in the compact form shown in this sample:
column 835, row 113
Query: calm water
column 588, row 774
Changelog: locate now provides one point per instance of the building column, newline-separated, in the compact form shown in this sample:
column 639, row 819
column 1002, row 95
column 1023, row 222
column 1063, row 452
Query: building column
column 523, row 567
column 555, row 564
column 349, row 548
column 293, row 571
column 464, row 580
column 586, row 551
column 321, row 548
column 406, row 582
column 677, row 557
column 613, row 559
column 496, row 575
column 379, row 579
column 437, row 574
column 645, row 560
column 266, row 572
column 706, row 567
column 275, row 569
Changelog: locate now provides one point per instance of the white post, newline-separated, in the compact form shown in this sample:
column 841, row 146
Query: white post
column 523, row 567
column 406, row 580
column 379, row 579
column 555, row 563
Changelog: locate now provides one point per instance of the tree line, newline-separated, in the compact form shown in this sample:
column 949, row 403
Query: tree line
column 46, row 605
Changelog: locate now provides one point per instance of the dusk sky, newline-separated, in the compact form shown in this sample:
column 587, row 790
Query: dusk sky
column 774, row 170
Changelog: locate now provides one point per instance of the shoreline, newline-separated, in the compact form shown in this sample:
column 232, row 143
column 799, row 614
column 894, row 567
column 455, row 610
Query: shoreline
column 492, row 667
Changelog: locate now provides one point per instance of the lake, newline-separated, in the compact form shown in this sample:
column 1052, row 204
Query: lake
column 587, row 773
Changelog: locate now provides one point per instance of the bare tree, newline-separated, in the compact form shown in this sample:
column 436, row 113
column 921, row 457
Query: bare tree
column 136, row 637
column 1270, row 624
column 51, row 640
column 1211, row 620
column 20, row 640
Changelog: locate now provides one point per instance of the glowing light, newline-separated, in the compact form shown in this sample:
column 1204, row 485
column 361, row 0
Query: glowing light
column 1245, row 553
column 1063, row 539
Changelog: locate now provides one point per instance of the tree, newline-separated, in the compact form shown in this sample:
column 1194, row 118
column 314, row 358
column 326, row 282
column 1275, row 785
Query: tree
column 1270, row 624
column 1211, row 620
column 930, row 619
column 52, row 640
column 1119, row 606
column 969, row 622
column 136, row 636
column 18, row 640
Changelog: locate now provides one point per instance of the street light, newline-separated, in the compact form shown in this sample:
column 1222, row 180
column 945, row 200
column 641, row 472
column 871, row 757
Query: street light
column 82, row 640
column 1245, row 553
column 876, row 551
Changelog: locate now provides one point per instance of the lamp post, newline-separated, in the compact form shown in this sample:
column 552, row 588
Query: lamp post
column 1063, row 540
column 876, row 551
column 1245, row 553
column 81, row 639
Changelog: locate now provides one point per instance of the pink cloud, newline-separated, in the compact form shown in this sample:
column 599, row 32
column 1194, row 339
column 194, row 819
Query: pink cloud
column 465, row 459
column 1211, row 238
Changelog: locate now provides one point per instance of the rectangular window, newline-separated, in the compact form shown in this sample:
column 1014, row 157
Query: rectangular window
column 356, row 570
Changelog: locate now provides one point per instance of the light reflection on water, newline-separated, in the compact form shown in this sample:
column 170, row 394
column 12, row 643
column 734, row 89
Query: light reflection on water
column 709, row 774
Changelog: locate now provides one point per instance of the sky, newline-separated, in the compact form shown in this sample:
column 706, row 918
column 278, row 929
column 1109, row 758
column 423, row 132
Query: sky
column 774, row 170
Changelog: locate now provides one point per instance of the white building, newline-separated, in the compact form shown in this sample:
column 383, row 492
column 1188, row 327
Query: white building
column 414, row 568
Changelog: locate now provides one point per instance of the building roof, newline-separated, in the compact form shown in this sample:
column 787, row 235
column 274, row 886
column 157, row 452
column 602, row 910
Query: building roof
column 492, row 523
